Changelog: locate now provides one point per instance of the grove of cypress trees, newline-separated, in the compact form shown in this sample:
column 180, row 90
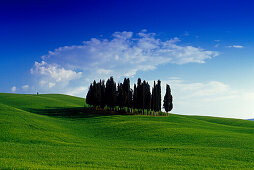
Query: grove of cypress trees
column 101, row 95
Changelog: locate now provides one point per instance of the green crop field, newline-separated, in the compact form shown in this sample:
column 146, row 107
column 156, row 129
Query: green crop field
column 53, row 132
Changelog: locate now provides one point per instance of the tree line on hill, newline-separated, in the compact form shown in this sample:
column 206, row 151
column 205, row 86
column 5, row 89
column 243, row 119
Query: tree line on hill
column 116, row 97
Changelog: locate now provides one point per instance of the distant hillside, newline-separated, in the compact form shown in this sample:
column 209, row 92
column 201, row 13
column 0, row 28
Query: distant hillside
column 52, row 131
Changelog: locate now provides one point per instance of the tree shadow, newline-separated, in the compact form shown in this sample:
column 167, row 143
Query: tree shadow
column 74, row 112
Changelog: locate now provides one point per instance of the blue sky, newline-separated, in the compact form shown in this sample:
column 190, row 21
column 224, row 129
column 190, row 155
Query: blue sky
column 203, row 49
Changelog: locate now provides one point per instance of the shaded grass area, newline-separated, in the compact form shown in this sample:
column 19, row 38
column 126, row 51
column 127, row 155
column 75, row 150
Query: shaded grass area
column 54, row 132
column 75, row 112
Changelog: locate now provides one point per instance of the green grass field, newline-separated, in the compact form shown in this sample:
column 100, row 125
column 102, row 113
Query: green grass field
column 52, row 132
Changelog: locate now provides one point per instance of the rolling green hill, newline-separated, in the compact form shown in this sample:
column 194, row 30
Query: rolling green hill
column 52, row 132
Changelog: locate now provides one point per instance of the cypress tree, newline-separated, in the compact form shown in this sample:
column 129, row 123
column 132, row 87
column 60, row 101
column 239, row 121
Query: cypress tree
column 147, row 96
column 120, row 95
column 158, row 108
column 139, row 94
column 89, row 95
column 125, row 92
column 128, row 93
column 135, row 97
column 103, row 95
column 111, row 94
column 143, row 97
column 168, row 99
column 98, row 94
column 94, row 93
column 153, row 101
column 131, row 100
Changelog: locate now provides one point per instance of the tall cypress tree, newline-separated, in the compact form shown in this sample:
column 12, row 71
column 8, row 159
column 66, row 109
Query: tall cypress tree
column 135, row 97
column 158, row 96
column 98, row 94
column 128, row 92
column 89, row 95
column 120, row 95
column 143, row 97
column 94, row 94
column 131, row 100
column 168, row 99
column 125, row 92
column 147, row 96
column 103, row 95
column 111, row 94
column 153, row 97
column 139, row 94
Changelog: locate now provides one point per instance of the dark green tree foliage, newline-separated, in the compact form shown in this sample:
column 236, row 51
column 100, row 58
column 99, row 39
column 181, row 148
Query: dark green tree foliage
column 94, row 95
column 101, row 95
column 153, row 101
column 130, row 99
column 98, row 94
column 120, row 95
column 139, row 94
column 127, row 93
column 111, row 95
column 142, row 93
column 156, row 96
column 89, row 95
column 159, row 95
column 135, row 97
column 147, row 96
column 168, row 99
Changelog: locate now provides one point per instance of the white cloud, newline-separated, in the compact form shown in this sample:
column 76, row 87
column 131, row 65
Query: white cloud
column 13, row 89
column 211, row 98
column 104, row 71
column 50, row 75
column 77, row 91
column 50, row 84
column 235, row 46
column 125, row 54
column 25, row 87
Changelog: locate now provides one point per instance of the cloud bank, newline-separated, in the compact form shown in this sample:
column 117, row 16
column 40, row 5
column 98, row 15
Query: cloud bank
column 124, row 54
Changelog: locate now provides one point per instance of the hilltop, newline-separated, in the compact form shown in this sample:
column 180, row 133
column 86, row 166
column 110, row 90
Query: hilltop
column 52, row 131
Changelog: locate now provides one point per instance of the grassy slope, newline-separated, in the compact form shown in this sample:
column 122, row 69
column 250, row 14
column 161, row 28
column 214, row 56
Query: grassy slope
column 39, row 132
